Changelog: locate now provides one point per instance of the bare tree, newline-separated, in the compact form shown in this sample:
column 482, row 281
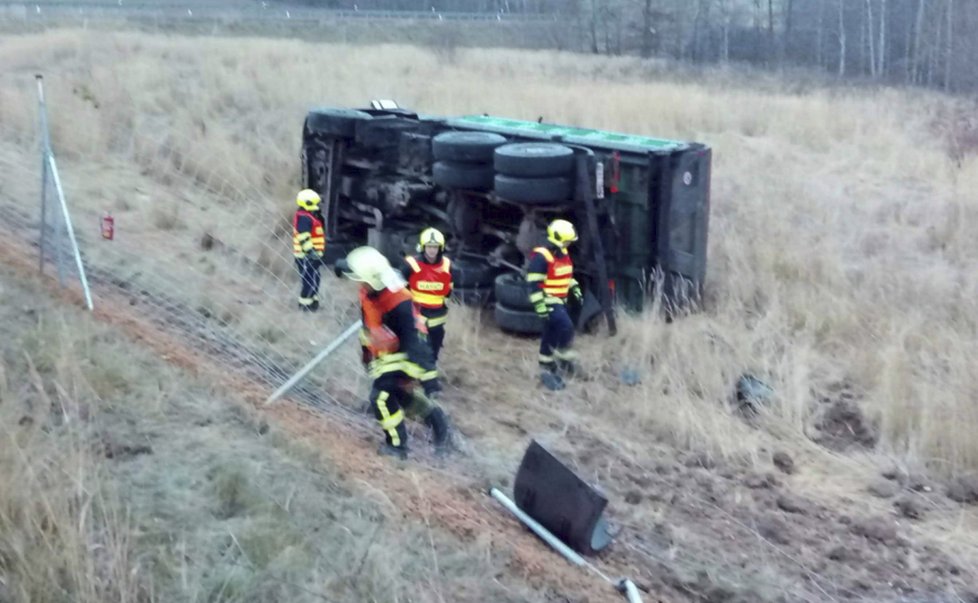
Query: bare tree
column 842, row 38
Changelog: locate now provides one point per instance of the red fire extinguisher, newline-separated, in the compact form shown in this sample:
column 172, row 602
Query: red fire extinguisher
column 108, row 226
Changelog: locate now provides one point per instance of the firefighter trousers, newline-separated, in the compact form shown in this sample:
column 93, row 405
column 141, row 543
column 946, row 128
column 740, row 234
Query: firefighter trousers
column 308, row 268
column 389, row 397
column 558, row 334
column 435, row 320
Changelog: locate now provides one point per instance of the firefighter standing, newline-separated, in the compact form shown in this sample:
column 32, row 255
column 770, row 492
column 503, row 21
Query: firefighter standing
column 308, row 246
column 429, row 276
column 551, row 278
column 395, row 351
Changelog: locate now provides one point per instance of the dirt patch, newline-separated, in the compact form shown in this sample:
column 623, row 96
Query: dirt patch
column 843, row 425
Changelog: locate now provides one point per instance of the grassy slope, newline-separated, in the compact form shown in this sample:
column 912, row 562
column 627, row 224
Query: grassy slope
column 840, row 254
column 123, row 478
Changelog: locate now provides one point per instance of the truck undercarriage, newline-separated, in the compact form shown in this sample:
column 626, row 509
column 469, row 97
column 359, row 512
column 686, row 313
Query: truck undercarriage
column 640, row 204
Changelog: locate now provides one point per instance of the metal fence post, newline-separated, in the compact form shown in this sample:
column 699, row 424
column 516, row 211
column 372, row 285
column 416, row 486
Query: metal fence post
column 42, row 112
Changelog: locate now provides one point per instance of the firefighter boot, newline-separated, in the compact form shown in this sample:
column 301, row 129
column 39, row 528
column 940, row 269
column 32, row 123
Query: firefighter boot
column 551, row 380
column 399, row 452
column 438, row 422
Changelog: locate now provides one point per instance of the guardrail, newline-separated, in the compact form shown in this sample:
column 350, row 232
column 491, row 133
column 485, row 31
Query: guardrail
column 123, row 9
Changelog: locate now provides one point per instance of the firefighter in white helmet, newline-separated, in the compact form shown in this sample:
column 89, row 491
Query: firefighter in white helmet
column 395, row 351
column 429, row 276
column 308, row 247
column 550, row 275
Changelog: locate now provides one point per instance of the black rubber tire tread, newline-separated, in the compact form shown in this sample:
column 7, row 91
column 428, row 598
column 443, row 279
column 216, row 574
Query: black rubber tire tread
column 512, row 291
column 534, row 159
column 466, row 147
column 473, row 296
column 468, row 176
column 335, row 122
column 533, row 191
column 518, row 321
column 468, row 274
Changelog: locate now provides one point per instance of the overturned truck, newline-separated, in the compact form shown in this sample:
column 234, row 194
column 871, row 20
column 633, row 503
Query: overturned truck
column 640, row 204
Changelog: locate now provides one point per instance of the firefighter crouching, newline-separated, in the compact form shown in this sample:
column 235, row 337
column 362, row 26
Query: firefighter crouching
column 429, row 278
column 551, row 279
column 308, row 246
column 395, row 351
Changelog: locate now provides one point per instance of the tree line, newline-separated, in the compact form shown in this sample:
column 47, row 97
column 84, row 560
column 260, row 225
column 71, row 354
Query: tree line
column 931, row 43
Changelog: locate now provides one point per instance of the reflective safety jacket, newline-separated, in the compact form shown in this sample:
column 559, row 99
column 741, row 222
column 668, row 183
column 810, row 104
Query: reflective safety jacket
column 430, row 284
column 307, row 234
column 550, row 274
column 394, row 335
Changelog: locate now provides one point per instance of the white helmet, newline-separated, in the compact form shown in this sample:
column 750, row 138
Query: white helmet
column 367, row 265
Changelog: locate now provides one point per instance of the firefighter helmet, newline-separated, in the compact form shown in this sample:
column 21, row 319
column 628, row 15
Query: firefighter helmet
column 431, row 236
column 561, row 233
column 367, row 265
column 307, row 199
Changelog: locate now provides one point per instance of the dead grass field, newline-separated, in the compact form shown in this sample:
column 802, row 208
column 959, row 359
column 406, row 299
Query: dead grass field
column 841, row 263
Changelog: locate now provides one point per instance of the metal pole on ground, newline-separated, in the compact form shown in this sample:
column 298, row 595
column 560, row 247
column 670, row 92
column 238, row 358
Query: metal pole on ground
column 315, row 361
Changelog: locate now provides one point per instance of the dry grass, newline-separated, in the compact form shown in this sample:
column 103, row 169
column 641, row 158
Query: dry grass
column 123, row 479
column 841, row 255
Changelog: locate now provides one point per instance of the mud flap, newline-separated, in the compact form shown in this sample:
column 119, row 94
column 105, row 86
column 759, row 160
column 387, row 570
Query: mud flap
column 560, row 501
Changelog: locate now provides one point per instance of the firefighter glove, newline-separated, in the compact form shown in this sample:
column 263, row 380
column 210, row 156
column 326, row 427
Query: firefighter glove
column 541, row 309
column 576, row 293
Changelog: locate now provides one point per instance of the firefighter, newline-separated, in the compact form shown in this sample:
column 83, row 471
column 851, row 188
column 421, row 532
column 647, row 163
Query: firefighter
column 550, row 275
column 308, row 246
column 395, row 352
column 429, row 276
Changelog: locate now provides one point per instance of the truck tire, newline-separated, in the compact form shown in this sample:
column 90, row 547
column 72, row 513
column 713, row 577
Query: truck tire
column 512, row 291
column 450, row 174
column 477, row 297
column 533, row 191
column 335, row 122
column 518, row 321
column 534, row 159
column 469, row 274
column 466, row 147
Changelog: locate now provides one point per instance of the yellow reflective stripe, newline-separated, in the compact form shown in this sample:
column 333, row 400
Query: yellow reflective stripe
column 388, row 421
column 392, row 421
column 306, row 301
column 565, row 354
column 429, row 375
column 446, row 264
column 437, row 321
column 534, row 277
column 413, row 263
column 428, row 298
column 558, row 282
column 364, row 338
column 536, row 296
column 302, row 236
column 546, row 359
column 545, row 253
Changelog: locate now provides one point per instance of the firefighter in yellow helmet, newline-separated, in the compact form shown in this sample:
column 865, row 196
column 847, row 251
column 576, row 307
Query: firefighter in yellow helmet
column 550, row 275
column 429, row 276
column 395, row 352
column 308, row 247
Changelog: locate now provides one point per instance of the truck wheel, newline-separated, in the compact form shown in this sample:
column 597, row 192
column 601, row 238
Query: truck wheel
column 518, row 321
column 533, row 191
column 534, row 159
column 468, row 274
column 512, row 291
column 450, row 174
column 467, row 147
column 473, row 296
column 335, row 122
